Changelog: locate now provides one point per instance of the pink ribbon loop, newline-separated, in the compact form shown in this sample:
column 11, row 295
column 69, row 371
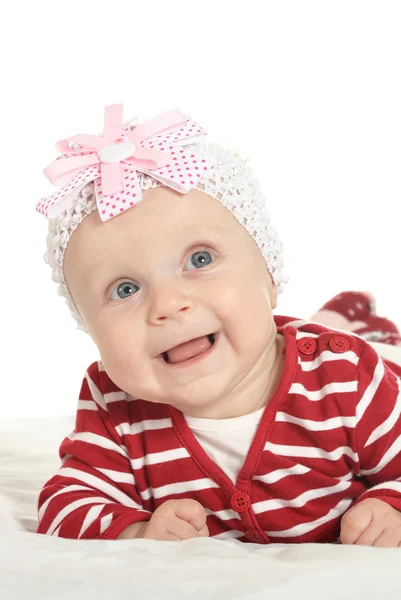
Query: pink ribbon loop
column 165, row 123
column 157, row 147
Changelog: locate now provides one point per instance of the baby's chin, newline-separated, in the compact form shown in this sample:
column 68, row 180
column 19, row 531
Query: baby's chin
column 207, row 400
column 198, row 405
column 193, row 394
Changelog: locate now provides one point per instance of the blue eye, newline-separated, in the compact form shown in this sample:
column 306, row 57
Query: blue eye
column 121, row 289
column 199, row 259
column 124, row 289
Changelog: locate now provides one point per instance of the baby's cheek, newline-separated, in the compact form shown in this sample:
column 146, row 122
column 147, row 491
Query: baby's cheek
column 118, row 361
column 129, row 369
column 257, row 315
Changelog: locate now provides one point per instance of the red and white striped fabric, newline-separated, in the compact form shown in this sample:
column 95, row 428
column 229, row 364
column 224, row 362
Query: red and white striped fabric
column 329, row 437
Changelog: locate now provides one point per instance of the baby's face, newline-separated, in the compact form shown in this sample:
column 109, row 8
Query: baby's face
column 170, row 269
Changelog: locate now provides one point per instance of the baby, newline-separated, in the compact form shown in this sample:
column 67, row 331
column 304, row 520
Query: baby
column 207, row 415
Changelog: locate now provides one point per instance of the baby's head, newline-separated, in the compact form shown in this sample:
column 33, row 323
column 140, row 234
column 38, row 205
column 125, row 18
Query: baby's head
column 175, row 267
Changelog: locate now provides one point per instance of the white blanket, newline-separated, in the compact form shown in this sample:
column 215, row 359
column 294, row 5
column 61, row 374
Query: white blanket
column 39, row 567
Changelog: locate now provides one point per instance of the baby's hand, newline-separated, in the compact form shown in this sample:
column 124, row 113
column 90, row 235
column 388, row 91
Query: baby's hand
column 372, row 522
column 176, row 520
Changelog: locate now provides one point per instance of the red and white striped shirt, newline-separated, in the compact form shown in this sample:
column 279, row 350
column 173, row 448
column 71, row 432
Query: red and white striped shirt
column 328, row 438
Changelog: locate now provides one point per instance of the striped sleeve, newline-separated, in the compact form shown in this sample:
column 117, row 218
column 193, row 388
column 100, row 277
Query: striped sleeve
column 93, row 495
column 378, row 428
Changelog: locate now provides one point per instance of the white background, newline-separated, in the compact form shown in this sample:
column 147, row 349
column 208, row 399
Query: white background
column 310, row 91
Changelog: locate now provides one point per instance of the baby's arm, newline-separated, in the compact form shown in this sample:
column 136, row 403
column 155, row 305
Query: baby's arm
column 93, row 495
column 378, row 428
column 375, row 519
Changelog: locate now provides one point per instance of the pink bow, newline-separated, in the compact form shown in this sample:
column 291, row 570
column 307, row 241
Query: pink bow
column 155, row 147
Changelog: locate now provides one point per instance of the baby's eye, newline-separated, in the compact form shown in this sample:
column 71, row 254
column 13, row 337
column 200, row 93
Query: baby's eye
column 124, row 290
column 199, row 259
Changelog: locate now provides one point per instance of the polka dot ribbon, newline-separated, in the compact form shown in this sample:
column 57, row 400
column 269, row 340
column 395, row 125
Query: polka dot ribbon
column 155, row 147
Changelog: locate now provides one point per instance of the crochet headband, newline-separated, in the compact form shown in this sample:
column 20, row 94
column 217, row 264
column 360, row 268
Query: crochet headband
column 108, row 173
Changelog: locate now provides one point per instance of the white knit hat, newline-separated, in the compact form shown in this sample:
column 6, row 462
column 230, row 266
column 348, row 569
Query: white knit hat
column 226, row 177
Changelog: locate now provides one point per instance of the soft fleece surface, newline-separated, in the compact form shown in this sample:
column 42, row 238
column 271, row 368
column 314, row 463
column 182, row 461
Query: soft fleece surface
column 40, row 567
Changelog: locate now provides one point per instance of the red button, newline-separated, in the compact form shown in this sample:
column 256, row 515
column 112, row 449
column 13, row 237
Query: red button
column 253, row 535
column 338, row 343
column 307, row 345
column 240, row 501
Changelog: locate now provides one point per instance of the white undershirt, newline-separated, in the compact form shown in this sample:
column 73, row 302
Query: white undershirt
column 226, row 441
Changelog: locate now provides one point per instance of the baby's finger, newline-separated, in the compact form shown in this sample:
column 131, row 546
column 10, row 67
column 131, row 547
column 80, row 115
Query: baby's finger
column 370, row 535
column 388, row 539
column 204, row 532
column 354, row 523
column 190, row 511
column 181, row 529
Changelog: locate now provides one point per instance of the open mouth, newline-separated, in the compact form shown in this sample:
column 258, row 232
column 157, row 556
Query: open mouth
column 194, row 358
column 211, row 337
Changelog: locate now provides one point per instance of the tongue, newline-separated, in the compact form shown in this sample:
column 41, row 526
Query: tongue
column 188, row 349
